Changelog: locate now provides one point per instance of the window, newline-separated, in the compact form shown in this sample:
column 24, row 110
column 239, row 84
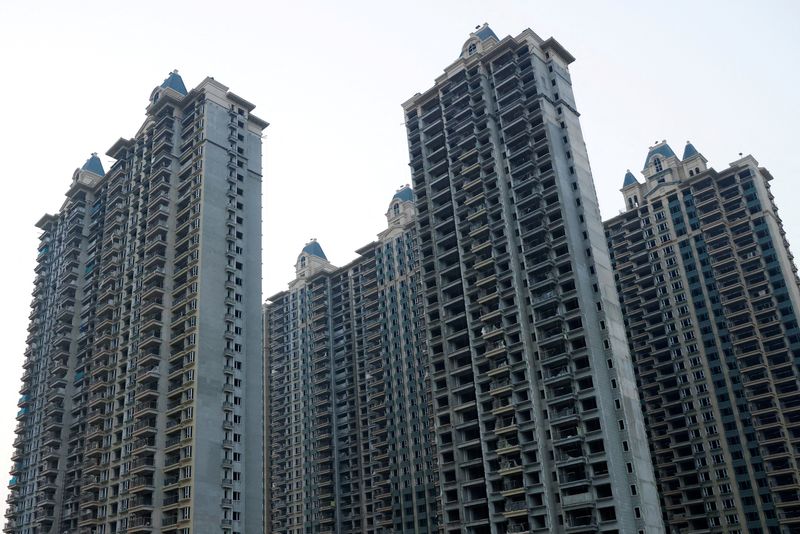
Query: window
column 471, row 49
column 657, row 163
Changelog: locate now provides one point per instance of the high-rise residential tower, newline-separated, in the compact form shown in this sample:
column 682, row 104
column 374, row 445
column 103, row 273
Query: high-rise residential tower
column 350, row 446
column 537, row 418
column 710, row 296
column 142, row 396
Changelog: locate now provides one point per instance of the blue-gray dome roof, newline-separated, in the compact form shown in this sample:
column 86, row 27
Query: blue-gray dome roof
column 93, row 164
column 406, row 194
column 689, row 151
column 630, row 179
column 485, row 32
column 314, row 249
column 175, row 82
column 662, row 150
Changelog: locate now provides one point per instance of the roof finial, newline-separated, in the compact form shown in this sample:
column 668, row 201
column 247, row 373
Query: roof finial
column 630, row 179
column 93, row 164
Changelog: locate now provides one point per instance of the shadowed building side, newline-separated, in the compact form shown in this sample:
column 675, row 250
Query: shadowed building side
column 142, row 396
column 348, row 391
column 710, row 296
column 538, row 425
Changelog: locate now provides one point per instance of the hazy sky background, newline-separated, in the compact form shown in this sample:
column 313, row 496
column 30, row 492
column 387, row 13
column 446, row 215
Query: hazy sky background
column 330, row 78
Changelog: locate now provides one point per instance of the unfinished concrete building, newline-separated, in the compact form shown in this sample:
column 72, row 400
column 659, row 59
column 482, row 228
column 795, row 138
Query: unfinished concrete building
column 350, row 447
column 537, row 419
column 142, row 396
column 710, row 297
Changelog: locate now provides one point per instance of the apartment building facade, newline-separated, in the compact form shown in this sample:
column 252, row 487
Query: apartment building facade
column 710, row 296
column 142, row 396
column 537, row 419
column 350, row 445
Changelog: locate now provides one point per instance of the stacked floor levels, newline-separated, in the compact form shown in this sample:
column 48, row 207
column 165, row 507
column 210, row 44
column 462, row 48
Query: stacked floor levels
column 142, row 397
column 711, row 298
column 537, row 417
column 350, row 447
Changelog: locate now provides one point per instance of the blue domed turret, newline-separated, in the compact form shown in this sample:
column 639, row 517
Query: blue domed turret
column 174, row 82
column 630, row 179
column 406, row 194
column 94, row 165
column 485, row 32
column 314, row 249
column 689, row 151
column 661, row 149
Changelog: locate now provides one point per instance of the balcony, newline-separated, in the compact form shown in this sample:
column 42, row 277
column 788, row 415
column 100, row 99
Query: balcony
column 141, row 484
column 577, row 499
column 145, row 427
column 495, row 349
column 140, row 524
column 144, row 444
column 146, row 408
column 500, row 386
column 140, row 503
column 146, row 391
column 580, row 523
column 518, row 528
column 515, row 508
column 505, row 425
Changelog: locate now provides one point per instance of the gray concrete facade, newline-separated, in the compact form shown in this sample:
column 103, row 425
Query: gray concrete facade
column 350, row 444
column 710, row 296
column 143, row 391
column 534, row 400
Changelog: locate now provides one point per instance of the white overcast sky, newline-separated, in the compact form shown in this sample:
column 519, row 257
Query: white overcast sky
column 330, row 78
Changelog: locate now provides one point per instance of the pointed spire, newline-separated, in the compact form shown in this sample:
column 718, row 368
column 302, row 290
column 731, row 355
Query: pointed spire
column 313, row 248
column 405, row 194
column 94, row 165
column 689, row 151
column 484, row 32
column 630, row 179
column 661, row 149
column 174, row 82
